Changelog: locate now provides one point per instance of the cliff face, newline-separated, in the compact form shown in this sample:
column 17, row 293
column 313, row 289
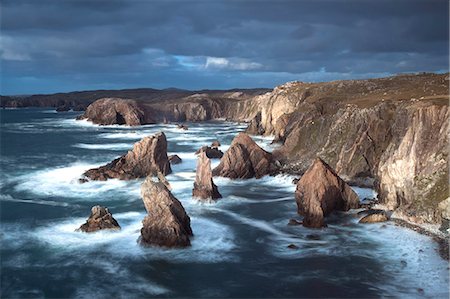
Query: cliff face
column 390, row 132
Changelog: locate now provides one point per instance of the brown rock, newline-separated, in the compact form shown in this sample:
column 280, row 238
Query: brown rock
column 175, row 159
column 294, row 222
column 211, row 152
column 215, row 144
column 244, row 159
column 204, row 187
column 147, row 157
column 111, row 111
column 378, row 216
column 321, row 191
column 167, row 223
column 99, row 219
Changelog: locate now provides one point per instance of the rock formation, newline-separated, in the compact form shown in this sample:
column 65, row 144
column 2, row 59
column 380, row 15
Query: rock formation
column 215, row 144
column 376, row 216
column 321, row 191
column 167, row 223
column 175, row 159
column 211, row 152
column 204, row 187
column 147, row 157
column 99, row 219
column 244, row 159
column 110, row 111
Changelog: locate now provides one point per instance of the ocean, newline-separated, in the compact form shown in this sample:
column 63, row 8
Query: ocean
column 239, row 248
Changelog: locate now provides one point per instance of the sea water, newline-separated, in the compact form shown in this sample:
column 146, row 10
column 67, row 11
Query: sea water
column 239, row 248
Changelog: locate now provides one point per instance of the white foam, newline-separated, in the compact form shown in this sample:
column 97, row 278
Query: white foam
column 212, row 241
column 110, row 146
column 35, row 201
column 63, row 181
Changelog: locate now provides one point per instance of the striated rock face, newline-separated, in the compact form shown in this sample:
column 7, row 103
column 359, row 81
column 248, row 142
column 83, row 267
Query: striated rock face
column 204, row 187
column 99, row 219
column 167, row 223
column 148, row 156
column 379, row 216
column 321, row 191
column 110, row 111
column 389, row 133
column 245, row 159
column 211, row 152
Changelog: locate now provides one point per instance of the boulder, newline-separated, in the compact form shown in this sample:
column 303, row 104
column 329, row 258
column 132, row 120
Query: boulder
column 175, row 159
column 215, row 144
column 99, row 219
column 148, row 156
column 378, row 216
column 204, row 187
column 63, row 108
column 245, row 159
column 166, row 223
column 114, row 111
column 211, row 152
column 321, row 191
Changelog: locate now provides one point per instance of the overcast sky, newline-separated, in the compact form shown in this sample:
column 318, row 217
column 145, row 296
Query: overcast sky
column 52, row 46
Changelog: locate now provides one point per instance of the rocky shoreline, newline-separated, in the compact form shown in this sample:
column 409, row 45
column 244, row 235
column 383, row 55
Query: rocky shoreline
column 388, row 133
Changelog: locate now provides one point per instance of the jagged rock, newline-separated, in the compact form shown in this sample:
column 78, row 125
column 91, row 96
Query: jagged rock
column 110, row 111
column 255, row 127
column 211, row 152
column 182, row 127
column 147, row 157
column 167, row 223
column 321, row 191
column 99, row 219
column 245, row 159
column 295, row 181
column 294, row 222
column 175, row 159
column 215, row 144
column 378, row 216
column 204, row 187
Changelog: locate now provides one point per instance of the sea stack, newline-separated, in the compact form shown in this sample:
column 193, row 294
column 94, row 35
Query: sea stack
column 166, row 223
column 321, row 191
column 245, row 159
column 204, row 187
column 148, row 157
column 99, row 219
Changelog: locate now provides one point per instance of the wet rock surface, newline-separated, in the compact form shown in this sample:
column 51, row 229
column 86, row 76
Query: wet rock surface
column 204, row 187
column 148, row 156
column 320, row 191
column 167, row 223
column 99, row 219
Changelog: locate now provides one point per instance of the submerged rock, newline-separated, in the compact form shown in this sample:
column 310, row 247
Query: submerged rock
column 99, row 219
column 245, row 159
column 175, row 159
column 148, row 156
column 182, row 127
column 294, row 222
column 167, row 223
column 204, row 187
column 321, row 191
column 211, row 152
column 376, row 216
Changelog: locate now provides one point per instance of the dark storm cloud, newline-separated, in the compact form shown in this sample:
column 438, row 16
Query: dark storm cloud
column 65, row 45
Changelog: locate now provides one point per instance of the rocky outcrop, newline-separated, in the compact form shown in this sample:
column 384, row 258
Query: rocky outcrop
column 111, row 111
column 99, row 219
column 204, row 187
column 320, row 191
column 148, row 157
column 245, row 159
column 211, row 152
column 374, row 217
column 167, row 223
column 174, row 159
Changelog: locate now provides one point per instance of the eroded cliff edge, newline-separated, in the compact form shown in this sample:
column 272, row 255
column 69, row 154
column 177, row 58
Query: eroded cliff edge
column 390, row 132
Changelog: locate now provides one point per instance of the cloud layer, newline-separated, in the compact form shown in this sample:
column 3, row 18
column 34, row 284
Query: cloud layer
column 49, row 46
